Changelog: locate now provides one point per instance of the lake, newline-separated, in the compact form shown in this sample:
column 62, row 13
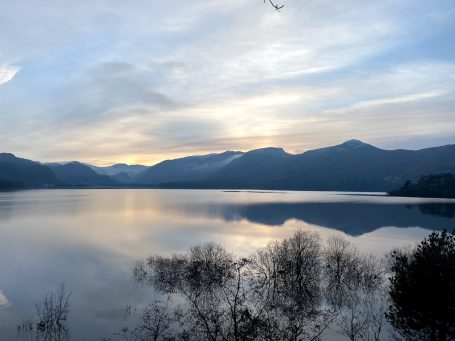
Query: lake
column 90, row 239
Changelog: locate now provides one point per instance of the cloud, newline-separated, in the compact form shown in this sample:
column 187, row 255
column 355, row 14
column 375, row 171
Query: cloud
column 114, row 82
column 399, row 99
column 7, row 73
column 3, row 300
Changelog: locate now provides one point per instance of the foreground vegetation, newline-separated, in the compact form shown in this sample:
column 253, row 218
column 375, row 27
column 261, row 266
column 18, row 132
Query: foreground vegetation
column 298, row 288
column 294, row 289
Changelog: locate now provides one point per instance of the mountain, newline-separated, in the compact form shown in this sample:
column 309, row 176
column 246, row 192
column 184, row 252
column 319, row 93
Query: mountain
column 350, row 166
column 78, row 174
column 122, row 178
column 357, row 166
column 17, row 172
column 254, row 169
column 130, row 170
column 191, row 168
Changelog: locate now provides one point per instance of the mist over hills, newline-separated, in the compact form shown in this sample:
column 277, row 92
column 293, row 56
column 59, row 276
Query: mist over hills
column 119, row 168
column 190, row 168
column 78, row 174
column 350, row 166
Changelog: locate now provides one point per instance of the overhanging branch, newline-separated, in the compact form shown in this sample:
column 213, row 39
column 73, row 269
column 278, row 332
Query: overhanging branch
column 274, row 5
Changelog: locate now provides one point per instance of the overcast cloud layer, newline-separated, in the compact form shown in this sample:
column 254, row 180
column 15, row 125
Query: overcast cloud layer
column 107, row 81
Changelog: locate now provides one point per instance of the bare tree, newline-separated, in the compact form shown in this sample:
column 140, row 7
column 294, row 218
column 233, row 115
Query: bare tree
column 50, row 322
column 288, row 278
column 274, row 294
column 355, row 286
column 156, row 322
column 209, row 280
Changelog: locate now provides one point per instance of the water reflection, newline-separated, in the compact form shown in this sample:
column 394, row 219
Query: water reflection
column 295, row 289
column 50, row 322
column 3, row 300
column 442, row 210
column 89, row 239
column 351, row 218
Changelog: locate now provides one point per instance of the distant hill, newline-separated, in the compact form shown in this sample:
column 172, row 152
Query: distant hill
column 349, row 166
column 122, row 178
column 77, row 174
column 191, row 168
column 16, row 173
column 357, row 166
column 115, row 170
column 429, row 186
column 256, row 167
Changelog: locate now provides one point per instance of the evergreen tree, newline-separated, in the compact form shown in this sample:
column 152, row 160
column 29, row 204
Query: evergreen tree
column 422, row 289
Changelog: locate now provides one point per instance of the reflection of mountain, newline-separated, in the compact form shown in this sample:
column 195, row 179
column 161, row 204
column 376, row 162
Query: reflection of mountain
column 351, row 218
column 443, row 210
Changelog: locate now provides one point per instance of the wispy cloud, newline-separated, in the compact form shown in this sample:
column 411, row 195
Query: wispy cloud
column 382, row 102
column 109, row 81
column 7, row 73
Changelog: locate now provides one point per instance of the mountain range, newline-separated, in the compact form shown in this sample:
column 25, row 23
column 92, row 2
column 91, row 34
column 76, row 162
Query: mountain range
column 350, row 166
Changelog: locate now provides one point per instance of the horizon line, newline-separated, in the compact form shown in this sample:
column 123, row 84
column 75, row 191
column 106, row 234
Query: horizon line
column 215, row 153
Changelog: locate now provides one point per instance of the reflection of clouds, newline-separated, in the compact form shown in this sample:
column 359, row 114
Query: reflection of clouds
column 3, row 300
column 90, row 239
column 385, row 239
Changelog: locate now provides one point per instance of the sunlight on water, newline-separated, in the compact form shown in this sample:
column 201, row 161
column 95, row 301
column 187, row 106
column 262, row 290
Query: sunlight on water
column 90, row 239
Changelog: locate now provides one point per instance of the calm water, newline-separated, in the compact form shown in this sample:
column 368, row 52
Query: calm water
column 90, row 239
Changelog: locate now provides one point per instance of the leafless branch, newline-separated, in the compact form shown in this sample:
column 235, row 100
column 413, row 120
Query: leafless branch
column 274, row 5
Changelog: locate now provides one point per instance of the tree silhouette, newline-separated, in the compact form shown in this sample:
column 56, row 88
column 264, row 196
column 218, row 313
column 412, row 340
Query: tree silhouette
column 436, row 186
column 284, row 291
column 355, row 287
column 422, row 289
column 51, row 318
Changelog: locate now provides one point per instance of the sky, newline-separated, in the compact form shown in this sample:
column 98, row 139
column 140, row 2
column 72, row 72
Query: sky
column 107, row 81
